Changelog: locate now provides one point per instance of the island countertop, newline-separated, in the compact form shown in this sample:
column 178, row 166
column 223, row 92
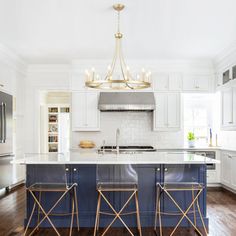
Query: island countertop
column 95, row 158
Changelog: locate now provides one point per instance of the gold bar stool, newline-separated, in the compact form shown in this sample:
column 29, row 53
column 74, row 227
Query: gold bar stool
column 176, row 180
column 53, row 179
column 117, row 178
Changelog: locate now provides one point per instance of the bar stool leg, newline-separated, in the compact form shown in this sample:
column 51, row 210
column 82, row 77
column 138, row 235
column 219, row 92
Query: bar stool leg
column 76, row 207
column 138, row 213
column 40, row 195
column 194, row 208
column 31, row 215
column 98, row 222
column 72, row 214
column 96, row 227
column 200, row 213
column 159, row 211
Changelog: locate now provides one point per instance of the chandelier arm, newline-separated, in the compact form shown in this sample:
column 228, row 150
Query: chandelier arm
column 121, row 62
column 115, row 57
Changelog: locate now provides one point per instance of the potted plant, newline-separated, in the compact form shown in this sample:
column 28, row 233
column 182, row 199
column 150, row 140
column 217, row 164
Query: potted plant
column 191, row 139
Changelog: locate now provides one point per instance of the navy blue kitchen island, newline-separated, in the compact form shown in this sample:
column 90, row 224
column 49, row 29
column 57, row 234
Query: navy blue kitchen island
column 151, row 170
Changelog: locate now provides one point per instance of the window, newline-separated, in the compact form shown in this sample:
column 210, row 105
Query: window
column 200, row 115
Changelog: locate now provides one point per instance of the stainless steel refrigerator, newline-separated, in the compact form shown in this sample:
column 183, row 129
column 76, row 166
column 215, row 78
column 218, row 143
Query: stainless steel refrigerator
column 6, row 140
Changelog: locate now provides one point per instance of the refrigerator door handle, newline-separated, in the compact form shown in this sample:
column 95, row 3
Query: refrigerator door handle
column 5, row 122
column 1, row 123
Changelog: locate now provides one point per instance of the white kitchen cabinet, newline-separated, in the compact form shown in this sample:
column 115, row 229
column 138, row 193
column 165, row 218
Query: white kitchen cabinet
column 225, row 168
column 228, row 109
column 196, row 83
column 78, row 81
column 165, row 82
column 228, row 173
column 161, row 82
column 6, row 78
column 167, row 113
column 85, row 113
column 175, row 81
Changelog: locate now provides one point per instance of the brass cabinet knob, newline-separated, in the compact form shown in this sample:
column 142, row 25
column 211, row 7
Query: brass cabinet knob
column 67, row 169
column 166, row 169
column 158, row 169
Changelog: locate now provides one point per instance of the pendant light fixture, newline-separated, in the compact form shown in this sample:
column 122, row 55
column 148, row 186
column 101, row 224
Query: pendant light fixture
column 123, row 80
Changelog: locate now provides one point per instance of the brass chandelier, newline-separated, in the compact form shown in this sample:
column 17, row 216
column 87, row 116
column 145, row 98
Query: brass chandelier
column 124, row 80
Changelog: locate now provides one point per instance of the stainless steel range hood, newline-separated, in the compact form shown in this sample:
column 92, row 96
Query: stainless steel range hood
column 126, row 101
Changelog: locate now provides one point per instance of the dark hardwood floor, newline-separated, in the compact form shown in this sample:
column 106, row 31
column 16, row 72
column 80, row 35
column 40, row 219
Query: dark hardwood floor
column 221, row 212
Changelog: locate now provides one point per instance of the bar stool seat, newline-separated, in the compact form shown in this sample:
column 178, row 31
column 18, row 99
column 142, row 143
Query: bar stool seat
column 180, row 186
column 117, row 186
column 51, row 187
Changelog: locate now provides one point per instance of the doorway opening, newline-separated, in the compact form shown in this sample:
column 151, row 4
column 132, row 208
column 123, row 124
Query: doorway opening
column 54, row 121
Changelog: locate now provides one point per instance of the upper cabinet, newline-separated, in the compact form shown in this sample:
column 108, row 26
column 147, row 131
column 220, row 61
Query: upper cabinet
column 167, row 113
column 85, row 113
column 228, row 109
column 77, row 82
column 6, row 79
column 167, row 81
column 199, row 83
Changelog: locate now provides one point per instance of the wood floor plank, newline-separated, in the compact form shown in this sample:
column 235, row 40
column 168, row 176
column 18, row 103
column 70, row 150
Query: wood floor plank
column 221, row 207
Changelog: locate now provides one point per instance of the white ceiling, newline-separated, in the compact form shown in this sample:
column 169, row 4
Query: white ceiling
column 61, row 30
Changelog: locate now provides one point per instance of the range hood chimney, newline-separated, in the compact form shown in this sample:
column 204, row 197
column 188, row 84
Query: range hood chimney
column 126, row 101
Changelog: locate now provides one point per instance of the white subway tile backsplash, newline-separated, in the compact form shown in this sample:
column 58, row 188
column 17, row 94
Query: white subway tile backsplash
column 136, row 128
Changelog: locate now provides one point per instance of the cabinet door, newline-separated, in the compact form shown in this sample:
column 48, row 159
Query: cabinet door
column 227, row 108
column 233, row 172
column 160, row 114
column 173, row 110
column 161, row 82
column 77, row 81
column 6, row 78
column 85, row 113
column 93, row 114
column 78, row 110
column 202, row 83
column 175, row 81
column 226, row 167
column 188, row 83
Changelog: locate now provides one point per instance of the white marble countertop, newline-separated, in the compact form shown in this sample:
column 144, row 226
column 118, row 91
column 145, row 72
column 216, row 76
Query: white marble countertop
column 91, row 157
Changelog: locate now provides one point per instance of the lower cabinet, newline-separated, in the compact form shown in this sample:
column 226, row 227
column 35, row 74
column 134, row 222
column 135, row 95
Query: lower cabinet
column 228, row 166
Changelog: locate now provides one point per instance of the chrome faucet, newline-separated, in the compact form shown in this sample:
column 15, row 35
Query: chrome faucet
column 117, row 140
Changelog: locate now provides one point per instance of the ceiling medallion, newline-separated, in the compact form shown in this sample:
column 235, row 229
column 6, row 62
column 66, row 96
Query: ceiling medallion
column 124, row 79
